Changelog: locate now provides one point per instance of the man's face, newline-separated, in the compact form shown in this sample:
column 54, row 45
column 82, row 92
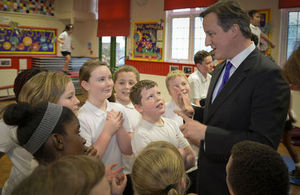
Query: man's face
column 219, row 40
column 205, row 67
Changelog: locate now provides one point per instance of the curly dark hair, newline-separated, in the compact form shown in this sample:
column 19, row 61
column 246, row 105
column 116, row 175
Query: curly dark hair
column 257, row 169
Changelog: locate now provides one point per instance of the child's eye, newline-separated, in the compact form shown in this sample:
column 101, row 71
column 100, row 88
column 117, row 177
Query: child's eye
column 122, row 83
column 131, row 83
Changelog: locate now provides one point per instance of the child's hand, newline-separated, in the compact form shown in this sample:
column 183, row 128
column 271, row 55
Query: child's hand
column 114, row 121
column 184, row 102
column 118, row 185
column 110, row 173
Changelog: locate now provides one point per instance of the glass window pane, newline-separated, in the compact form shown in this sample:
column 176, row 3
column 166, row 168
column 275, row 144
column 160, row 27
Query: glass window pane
column 199, row 36
column 106, row 49
column 120, row 49
column 180, row 38
column 292, row 32
column 293, row 16
column 290, row 47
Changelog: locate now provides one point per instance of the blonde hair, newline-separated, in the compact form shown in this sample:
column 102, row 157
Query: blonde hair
column 76, row 174
column 87, row 68
column 126, row 68
column 44, row 87
column 291, row 69
column 172, row 75
column 158, row 170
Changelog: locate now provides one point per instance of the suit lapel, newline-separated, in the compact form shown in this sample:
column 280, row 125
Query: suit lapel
column 235, row 80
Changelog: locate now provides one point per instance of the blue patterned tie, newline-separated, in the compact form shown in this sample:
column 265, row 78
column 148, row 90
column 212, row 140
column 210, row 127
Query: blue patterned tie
column 225, row 76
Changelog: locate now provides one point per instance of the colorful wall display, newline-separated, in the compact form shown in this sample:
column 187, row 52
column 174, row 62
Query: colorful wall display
column 27, row 41
column 265, row 25
column 148, row 41
column 44, row 7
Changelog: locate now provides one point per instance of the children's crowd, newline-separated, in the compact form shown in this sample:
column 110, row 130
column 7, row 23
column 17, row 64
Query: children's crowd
column 137, row 144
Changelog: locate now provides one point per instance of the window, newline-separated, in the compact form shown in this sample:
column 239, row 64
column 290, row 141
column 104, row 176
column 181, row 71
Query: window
column 113, row 50
column 290, row 32
column 184, row 35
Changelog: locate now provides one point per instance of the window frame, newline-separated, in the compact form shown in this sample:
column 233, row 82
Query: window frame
column 192, row 13
column 284, row 23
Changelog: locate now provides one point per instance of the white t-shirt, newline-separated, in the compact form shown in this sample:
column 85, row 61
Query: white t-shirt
column 147, row 132
column 134, row 117
column 199, row 85
column 22, row 160
column 67, row 41
column 256, row 30
column 169, row 113
column 92, row 120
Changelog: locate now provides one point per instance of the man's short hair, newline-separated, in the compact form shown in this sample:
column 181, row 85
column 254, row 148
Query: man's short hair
column 136, row 90
column 200, row 55
column 257, row 169
column 230, row 13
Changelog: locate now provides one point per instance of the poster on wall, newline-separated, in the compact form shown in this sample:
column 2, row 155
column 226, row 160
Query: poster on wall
column 148, row 41
column 29, row 41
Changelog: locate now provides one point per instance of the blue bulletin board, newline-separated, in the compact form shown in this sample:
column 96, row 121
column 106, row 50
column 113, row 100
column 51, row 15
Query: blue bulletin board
column 29, row 41
column 148, row 41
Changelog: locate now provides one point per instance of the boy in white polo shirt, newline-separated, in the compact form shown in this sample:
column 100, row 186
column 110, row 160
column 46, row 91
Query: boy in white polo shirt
column 148, row 101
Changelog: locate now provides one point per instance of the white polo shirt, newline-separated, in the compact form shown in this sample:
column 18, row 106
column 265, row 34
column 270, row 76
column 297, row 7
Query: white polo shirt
column 92, row 120
column 147, row 132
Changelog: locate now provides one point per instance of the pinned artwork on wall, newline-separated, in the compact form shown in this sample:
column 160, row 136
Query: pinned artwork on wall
column 29, row 41
column 173, row 67
column 187, row 70
column 44, row 7
column 148, row 41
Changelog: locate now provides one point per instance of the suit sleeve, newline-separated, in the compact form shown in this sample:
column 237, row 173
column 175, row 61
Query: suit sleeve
column 269, row 102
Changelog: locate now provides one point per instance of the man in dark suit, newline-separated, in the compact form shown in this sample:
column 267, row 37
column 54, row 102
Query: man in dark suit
column 247, row 97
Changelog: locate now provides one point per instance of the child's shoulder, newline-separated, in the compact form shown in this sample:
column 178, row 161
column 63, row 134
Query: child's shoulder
column 115, row 106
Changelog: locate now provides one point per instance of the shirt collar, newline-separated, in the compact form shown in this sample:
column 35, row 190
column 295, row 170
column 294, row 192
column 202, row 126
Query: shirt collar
column 130, row 105
column 203, row 79
column 97, row 110
column 238, row 59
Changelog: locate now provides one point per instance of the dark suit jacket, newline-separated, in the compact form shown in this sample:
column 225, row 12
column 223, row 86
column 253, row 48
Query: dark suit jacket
column 252, row 106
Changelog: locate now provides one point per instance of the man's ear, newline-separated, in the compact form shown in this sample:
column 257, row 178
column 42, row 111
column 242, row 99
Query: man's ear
column 57, row 141
column 235, row 28
column 138, row 107
column 85, row 85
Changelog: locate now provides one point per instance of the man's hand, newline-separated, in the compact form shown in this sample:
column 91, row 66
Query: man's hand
column 191, row 129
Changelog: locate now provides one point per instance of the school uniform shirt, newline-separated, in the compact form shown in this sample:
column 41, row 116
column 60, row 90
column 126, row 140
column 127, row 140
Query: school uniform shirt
column 92, row 120
column 199, row 85
column 22, row 160
column 133, row 117
column 256, row 30
column 169, row 113
column 147, row 132
column 67, row 41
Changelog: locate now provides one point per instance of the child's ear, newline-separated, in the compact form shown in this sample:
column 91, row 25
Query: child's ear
column 58, row 141
column 138, row 107
column 85, row 85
